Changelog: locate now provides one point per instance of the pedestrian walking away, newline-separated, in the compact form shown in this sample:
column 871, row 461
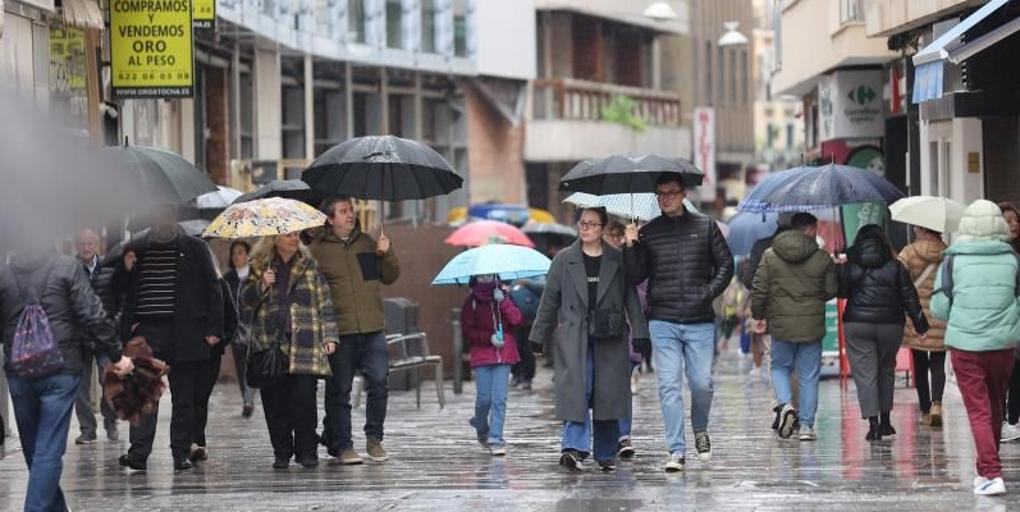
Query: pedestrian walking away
column 1011, row 422
column 878, row 291
column 976, row 292
column 356, row 267
column 291, row 311
column 174, row 301
column 100, row 277
column 791, row 287
column 687, row 263
column 49, row 309
column 526, row 294
column 238, row 274
column 922, row 258
column 488, row 319
column 583, row 314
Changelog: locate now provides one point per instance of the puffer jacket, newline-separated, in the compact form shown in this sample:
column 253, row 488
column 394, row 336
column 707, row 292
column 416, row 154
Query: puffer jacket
column 791, row 286
column 478, row 323
column 101, row 280
column 687, row 264
column 917, row 257
column 983, row 313
column 68, row 300
column 878, row 288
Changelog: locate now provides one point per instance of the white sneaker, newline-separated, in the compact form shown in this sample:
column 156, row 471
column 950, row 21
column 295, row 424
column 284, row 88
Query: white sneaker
column 1010, row 432
column 675, row 463
column 807, row 434
column 986, row 487
column 497, row 451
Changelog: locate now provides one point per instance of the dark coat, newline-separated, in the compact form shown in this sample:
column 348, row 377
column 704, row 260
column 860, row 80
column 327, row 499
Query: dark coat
column 199, row 299
column 68, row 300
column 878, row 287
column 563, row 318
column 101, row 281
column 687, row 264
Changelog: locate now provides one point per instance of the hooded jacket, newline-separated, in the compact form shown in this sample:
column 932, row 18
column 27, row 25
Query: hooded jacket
column 478, row 318
column 67, row 298
column 877, row 287
column 355, row 274
column 917, row 257
column 791, row 286
column 983, row 313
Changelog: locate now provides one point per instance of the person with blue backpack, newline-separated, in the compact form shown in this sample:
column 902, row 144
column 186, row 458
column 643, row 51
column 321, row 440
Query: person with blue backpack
column 976, row 290
column 45, row 298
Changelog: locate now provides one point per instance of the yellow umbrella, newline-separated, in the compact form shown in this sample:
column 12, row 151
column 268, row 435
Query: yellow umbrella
column 540, row 216
column 457, row 215
column 264, row 217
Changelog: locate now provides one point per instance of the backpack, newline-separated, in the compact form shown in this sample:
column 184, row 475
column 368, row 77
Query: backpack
column 34, row 350
column 947, row 277
column 526, row 299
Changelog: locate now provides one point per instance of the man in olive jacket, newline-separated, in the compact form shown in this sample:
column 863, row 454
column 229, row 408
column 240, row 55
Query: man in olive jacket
column 356, row 267
column 788, row 296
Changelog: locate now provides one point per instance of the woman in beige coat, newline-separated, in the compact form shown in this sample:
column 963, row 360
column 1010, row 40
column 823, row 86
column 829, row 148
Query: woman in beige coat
column 922, row 259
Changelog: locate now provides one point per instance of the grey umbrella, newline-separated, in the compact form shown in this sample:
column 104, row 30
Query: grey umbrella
column 288, row 189
column 162, row 176
column 627, row 174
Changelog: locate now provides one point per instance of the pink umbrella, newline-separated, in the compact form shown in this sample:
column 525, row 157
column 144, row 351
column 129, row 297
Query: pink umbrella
column 484, row 232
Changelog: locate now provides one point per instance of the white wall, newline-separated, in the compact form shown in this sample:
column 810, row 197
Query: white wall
column 963, row 135
column 268, row 145
column 506, row 38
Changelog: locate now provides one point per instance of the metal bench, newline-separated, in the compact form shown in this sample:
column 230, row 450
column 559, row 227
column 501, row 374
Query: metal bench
column 409, row 352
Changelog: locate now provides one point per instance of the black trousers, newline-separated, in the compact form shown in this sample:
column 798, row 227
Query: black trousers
column 1013, row 397
column 184, row 380
column 208, row 373
column 924, row 362
column 524, row 371
column 292, row 415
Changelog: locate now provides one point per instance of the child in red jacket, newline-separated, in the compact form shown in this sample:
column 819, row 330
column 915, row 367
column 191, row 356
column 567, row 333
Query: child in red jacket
column 488, row 319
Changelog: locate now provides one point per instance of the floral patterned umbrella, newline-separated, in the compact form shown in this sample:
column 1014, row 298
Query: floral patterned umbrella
column 264, row 217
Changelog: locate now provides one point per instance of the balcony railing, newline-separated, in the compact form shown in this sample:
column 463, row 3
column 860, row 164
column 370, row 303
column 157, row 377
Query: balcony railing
column 572, row 99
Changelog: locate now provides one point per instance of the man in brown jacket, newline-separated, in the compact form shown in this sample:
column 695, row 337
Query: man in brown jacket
column 356, row 267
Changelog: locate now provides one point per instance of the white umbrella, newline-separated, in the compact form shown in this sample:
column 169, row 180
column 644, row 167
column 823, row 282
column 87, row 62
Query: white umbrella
column 642, row 206
column 935, row 213
column 219, row 199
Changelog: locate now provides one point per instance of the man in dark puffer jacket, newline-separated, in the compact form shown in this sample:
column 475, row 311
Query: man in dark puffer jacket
column 688, row 264
column 100, row 278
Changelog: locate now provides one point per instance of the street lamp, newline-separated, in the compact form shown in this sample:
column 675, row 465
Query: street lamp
column 732, row 37
column 660, row 11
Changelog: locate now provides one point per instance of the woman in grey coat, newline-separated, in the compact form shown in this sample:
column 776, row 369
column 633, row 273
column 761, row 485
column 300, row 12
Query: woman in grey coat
column 592, row 373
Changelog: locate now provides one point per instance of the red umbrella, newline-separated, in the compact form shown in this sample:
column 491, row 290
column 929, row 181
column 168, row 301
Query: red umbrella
column 484, row 232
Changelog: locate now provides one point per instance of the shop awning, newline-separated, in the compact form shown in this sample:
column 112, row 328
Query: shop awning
column 83, row 14
column 928, row 62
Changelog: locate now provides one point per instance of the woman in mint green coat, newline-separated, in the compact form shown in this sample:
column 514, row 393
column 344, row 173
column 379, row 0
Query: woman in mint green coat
column 976, row 293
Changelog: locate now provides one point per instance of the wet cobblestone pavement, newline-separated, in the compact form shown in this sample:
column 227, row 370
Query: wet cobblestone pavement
column 435, row 464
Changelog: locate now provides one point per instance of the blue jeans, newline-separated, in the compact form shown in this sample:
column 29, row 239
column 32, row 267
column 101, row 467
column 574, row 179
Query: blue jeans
column 676, row 348
column 365, row 354
column 600, row 436
column 42, row 408
column 490, row 402
column 806, row 358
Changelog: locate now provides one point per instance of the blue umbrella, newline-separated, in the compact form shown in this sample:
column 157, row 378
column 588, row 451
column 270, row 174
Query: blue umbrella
column 510, row 213
column 817, row 188
column 747, row 228
column 509, row 262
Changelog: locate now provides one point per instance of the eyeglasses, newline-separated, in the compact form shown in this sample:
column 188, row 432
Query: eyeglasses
column 589, row 225
column 671, row 194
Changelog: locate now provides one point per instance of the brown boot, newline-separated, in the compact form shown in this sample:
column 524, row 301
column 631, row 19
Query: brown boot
column 925, row 419
column 936, row 414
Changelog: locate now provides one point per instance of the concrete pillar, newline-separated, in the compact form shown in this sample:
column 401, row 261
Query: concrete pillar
column 268, row 139
column 968, row 166
column 309, row 108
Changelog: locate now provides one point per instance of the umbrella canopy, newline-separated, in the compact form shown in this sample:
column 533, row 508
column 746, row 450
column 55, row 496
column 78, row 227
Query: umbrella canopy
column 645, row 205
column 217, row 200
column 163, row 176
column 748, row 228
column 509, row 262
column 265, row 217
column 383, row 167
column 935, row 213
column 626, row 174
column 540, row 216
column 556, row 229
column 815, row 188
column 484, row 232
column 289, row 189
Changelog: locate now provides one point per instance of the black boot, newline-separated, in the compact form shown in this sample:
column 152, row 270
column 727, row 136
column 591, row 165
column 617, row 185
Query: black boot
column 887, row 429
column 874, row 429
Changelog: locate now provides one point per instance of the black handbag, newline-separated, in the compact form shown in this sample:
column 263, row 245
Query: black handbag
column 266, row 367
column 606, row 323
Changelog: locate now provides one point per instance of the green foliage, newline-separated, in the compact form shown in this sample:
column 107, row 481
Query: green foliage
column 623, row 110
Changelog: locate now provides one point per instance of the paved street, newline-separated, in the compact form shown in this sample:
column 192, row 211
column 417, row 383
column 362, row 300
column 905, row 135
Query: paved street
column 435, row 463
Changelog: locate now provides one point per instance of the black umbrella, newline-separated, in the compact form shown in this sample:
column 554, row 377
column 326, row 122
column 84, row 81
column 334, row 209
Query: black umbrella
column 384, row 167
column 288, row 189
column 163, row 176
column 626, row 174
column 193, row 227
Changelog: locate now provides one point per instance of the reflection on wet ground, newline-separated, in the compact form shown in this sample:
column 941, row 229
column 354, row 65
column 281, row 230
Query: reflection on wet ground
column 436, row 464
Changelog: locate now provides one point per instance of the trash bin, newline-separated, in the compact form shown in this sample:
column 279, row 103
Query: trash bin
column 401, row 316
